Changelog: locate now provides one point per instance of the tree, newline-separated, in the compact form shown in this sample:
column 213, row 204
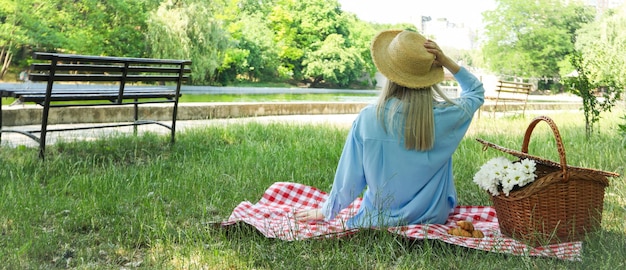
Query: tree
column 302, row 30
column 585, row 87
column 602, row 44
column 44, row 24
column 12, row 32
column 83, row 26
column 599, row 65
column 254, row 54
column 189, row 30
column 360, row 38
column 227, row 40
column 331, row 61
column 103, row 27
column 530, row 37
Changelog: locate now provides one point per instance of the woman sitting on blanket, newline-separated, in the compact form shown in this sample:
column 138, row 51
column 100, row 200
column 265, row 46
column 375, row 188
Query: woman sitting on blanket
column 400, row 149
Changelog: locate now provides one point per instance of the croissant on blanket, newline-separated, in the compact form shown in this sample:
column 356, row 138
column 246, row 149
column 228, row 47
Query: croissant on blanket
column 465, row 229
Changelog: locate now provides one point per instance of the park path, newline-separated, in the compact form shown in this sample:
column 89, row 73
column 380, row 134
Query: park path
column 14, row 139
column 339, row 120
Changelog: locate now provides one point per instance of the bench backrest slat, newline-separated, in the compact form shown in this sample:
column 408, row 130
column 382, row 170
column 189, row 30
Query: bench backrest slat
column 118, row 72
column 107, row 59
column 85, row 68
column 107, row 68
column 105, row 78
column 514, row 87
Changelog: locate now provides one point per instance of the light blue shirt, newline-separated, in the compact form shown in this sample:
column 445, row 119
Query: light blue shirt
column 402, row 186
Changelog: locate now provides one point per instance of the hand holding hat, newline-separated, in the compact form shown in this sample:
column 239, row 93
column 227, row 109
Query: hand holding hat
column 408, row 58
column 440, row 58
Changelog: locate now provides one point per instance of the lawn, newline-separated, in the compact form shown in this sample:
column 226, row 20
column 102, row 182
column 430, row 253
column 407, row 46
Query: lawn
column 136, row 202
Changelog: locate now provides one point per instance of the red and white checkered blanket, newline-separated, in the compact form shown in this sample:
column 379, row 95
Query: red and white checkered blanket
column 273, row 217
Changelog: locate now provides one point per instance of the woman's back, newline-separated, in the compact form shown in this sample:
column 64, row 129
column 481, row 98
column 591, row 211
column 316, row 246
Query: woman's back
column 405, row 182
column 411, row 186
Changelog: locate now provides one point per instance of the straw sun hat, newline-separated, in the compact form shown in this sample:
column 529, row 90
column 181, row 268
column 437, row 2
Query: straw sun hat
column 400, row 56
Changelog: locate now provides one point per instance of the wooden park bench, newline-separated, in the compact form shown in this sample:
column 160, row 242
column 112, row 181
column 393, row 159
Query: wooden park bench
column 512, row 91
column 100, row 81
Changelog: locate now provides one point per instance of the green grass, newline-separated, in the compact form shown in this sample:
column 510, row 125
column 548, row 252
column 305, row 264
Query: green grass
column 126, row 202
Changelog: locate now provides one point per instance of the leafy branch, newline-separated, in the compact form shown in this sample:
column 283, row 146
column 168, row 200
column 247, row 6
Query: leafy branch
column 583, row 86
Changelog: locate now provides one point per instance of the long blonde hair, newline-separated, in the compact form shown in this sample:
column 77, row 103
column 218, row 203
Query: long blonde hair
column 417, row 107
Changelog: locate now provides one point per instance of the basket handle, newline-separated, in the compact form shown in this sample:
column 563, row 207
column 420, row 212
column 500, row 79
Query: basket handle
column 557, row 137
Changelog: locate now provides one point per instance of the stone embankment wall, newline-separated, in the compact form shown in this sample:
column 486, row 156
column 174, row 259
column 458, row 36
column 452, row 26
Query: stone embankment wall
column 20, row 115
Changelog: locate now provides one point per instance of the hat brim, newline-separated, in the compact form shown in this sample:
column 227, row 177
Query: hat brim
column 383, row 63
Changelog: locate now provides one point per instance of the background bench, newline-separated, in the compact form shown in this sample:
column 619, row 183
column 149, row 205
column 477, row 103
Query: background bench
column 512, row 91
column 121, row 81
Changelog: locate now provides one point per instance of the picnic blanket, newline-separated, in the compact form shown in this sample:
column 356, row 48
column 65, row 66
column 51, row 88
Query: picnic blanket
column 273, row 216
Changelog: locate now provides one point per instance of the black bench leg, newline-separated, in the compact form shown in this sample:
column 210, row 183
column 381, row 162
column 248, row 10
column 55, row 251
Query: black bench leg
column 44, row 131
column 173, row 127
column 136, row 117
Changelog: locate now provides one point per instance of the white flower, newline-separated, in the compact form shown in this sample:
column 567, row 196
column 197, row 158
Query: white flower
column 513, row 178
column 500, row 174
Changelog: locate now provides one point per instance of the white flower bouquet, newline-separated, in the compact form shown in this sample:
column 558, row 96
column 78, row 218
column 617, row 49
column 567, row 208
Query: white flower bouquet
column 502, row 175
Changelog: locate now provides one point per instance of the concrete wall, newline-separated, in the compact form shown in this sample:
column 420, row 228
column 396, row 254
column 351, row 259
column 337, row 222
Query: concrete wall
column 20, row 115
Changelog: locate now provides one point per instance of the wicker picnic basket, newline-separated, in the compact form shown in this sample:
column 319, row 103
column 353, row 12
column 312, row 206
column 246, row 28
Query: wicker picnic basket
column 561, row 205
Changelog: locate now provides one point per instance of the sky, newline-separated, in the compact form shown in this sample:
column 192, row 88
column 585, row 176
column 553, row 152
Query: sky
column 399, row 11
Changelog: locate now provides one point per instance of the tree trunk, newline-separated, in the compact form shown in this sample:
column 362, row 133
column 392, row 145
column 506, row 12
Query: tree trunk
column 6, row 57
column 315, row 82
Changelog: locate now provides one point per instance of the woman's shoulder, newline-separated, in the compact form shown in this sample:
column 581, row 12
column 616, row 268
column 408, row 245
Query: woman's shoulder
column 367, row 114
column 369, row 109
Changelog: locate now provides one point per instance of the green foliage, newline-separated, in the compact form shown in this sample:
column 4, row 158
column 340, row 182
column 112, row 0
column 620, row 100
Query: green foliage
column 602, row 44
column 229, row 41
column 93, row 27
column 316, row 43
column 42, row 21
column 332, row 62
column 600, row 65
column 13, row 16
column 529, row 38
column 189, row 30
column 585, row 87
column 103, row 28
column 83, row 27
column 254, row 55
column 361, row 35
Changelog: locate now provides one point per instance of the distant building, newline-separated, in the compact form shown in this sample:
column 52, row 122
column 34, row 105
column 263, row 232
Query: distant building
column 448, row 33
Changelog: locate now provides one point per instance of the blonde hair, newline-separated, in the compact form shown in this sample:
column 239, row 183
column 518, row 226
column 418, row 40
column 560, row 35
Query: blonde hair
column 416, row 105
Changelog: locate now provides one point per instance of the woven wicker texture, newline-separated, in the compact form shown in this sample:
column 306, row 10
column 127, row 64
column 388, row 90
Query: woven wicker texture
column 561, row 205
